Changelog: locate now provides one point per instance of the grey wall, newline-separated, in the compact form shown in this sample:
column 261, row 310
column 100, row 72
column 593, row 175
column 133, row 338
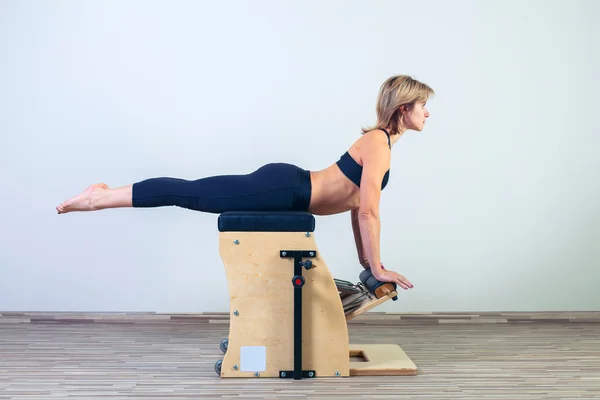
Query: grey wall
column 494, row 206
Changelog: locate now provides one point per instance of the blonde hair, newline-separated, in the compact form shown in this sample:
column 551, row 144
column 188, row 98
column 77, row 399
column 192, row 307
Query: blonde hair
column 394, row 93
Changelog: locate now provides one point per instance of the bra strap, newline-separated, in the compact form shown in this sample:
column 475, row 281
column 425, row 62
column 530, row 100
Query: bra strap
column 388, row 136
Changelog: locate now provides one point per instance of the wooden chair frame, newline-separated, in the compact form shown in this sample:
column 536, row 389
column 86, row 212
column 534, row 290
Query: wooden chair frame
column 270, row 276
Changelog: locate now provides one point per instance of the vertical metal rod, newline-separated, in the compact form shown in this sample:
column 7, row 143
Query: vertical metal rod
column 298, row 318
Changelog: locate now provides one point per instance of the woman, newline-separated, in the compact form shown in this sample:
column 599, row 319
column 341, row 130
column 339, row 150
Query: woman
column 354, row 183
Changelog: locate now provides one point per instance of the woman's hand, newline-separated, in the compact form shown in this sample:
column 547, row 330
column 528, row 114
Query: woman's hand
column 385, row 275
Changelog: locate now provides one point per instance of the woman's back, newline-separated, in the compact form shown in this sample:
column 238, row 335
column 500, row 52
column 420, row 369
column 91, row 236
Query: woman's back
column 336, row 189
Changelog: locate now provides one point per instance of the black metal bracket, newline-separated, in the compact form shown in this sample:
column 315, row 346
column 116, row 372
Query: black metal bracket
column 298, row 282
column 290, row 374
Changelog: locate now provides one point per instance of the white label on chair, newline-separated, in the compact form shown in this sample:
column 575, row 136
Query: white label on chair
column 253, row 358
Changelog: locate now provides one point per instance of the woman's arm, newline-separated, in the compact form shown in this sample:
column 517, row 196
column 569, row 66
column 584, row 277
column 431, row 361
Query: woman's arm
column 376, row 161
column 362, row 259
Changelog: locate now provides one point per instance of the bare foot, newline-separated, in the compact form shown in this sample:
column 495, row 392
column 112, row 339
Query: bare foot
column 81, row 202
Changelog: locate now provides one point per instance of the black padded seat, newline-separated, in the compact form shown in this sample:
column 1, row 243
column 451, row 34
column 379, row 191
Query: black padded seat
column 266, row 221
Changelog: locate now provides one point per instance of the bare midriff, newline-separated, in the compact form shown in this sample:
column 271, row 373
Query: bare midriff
column 332, row 192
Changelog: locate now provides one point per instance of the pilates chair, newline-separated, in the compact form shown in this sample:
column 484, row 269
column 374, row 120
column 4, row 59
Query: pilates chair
column 288, row 314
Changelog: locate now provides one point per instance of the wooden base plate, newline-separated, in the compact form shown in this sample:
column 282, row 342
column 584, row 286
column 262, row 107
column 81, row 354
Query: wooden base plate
column 380, row 360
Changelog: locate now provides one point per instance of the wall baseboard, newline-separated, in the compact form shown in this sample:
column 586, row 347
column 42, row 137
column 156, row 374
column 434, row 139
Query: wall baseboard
column 373, row 318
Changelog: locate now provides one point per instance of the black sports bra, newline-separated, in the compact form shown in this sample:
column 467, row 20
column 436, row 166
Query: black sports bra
column 353, row 170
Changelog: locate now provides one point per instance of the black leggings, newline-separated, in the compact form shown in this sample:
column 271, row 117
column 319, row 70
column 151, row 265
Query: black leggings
column 272, row 187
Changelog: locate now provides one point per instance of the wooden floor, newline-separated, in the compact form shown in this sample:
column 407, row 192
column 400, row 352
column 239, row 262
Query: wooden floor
column 173, row 357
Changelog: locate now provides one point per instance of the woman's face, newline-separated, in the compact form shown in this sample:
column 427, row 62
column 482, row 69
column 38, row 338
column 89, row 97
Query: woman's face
column 415, row 118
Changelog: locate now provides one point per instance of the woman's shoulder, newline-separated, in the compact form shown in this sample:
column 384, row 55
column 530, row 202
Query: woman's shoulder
column 378, row 135
column 372, row 144
column 375, row 140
